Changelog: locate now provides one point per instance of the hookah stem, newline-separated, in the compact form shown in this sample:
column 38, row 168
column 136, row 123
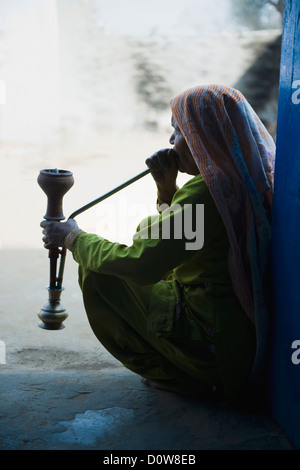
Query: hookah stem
column 110, row 193
column 53, row 255
column 84, row 208
column 56, row 280
column 61, row 267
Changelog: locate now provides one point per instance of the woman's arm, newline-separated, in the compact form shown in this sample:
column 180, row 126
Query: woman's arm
column 162, row 242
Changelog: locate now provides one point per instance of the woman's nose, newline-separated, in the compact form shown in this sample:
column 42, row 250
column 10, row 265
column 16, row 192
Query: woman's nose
column 171, row 139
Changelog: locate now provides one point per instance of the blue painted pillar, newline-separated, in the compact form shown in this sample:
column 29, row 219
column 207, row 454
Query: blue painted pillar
column 284, row 392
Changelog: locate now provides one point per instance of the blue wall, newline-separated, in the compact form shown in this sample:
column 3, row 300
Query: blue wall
column 284, row 373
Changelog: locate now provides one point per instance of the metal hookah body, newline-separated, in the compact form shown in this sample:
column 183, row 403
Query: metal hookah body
column 55, row 183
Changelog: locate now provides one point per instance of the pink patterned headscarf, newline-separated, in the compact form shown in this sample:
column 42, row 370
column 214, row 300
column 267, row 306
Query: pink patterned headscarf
column 235, row 155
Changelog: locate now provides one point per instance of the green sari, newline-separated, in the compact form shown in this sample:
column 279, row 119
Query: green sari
column 166, row 312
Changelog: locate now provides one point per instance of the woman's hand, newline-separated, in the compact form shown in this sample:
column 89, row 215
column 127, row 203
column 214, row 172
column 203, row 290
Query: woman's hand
column 56, row 232
column 164, row 170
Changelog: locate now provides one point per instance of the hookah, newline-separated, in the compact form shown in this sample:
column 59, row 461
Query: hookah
column 55, row 184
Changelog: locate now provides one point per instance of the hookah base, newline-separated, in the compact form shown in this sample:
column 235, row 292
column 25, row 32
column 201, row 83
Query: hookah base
column 53, row 313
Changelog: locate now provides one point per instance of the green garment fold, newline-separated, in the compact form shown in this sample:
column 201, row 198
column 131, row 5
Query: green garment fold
column 164, row 306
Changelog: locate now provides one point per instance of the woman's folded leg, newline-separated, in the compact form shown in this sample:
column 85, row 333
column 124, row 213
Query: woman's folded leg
column 120, row 314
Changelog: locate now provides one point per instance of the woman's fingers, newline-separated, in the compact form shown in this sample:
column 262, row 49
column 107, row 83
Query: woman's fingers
column 159, row 160
column 50, row 233
column 55, row 232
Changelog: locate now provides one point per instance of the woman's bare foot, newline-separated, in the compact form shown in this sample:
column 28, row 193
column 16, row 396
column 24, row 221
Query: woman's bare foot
column 149, row 383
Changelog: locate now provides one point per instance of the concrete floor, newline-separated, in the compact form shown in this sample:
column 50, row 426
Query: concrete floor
column 60, row 390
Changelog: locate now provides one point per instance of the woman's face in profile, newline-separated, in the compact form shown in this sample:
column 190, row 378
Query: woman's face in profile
column 186, row 162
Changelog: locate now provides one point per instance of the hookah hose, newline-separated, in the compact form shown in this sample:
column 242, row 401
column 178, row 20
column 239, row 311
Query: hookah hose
column 110, row 193
column 88, row 206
